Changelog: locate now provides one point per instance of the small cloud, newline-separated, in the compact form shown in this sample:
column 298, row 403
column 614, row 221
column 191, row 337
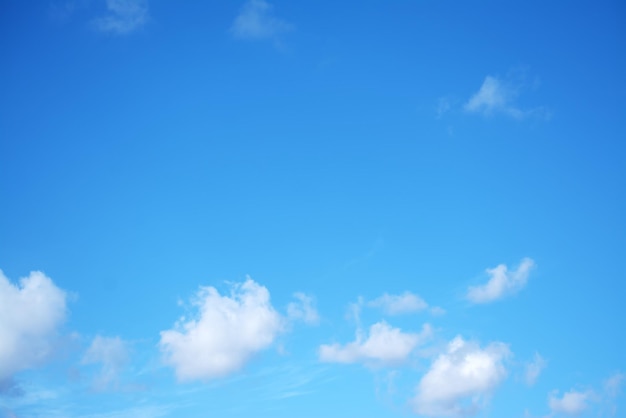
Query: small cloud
column 256, row 22
column 443, row 106
column 498, row 96
column 502, row 282
column 30, row 314
column 303, row 309
column 112, row 354
column 613, row 384
column 437, row 311
column 399, row 304
column 461, row 379
column 123, row 16
column 10, row 388
column 224, row 334
column 534, row 369
column 384, row 346
column 571, row 403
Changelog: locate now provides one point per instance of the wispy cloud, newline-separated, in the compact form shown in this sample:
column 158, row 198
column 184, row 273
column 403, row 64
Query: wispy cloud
column 30, row 315
column 502, row 282
column 123, row 16
column 407, row 302
column 461, row 379
column 534, row 368
column 384, row 345
column 498, row 96
column 224, row 334
column 303, row 309
column 112, row 354
column 256, row 21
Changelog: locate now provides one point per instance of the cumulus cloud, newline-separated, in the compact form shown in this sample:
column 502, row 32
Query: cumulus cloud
column 123, row 16
column 224, row 334
column 461, row 379
column 385, row 345
column 112, row 354
column 399, row 304
column 571, row 403
column 534, row 369
column 30, row 315
column 256, row 21
column 502, row 282
column 303, row 309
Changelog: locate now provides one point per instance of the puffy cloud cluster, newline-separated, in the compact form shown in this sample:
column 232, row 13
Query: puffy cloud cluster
column 461, row 379
column 224, row 334
column 30, row 315
column 502, row 282
column 385, row 345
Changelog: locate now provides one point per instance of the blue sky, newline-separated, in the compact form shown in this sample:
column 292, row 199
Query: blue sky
column 342, row 209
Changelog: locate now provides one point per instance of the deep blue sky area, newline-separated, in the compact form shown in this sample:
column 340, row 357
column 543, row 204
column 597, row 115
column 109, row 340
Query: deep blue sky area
column 312, row 208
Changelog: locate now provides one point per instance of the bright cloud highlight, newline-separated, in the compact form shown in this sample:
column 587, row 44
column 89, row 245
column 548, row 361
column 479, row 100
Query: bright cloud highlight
column 30, row 315
column 461, row 379
column 385, row 345
column 502, row 282
column 224, row 334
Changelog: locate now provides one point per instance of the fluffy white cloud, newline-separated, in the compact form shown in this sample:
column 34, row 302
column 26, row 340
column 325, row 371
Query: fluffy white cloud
column 224, row 334
column 112, row 354
column 255, row 21
column 399, row 304
column 303, row 309
column 534, row 369
column 124, row 16
column 461, row 379
column 502, row 282
column 571, row 403
column 385, row 345
column 30, row 314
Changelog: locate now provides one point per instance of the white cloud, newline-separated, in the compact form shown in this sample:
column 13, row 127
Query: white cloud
column 30, row 314
column 124, row 16
column 399, row 304
column 385, row 345
column 534, row 369
column 224, row 334
column 256, row 21
column 494, row 96
column 461, row 379
column 112, row 354
column 571, row 403
column 502, row 282
column 303, row 309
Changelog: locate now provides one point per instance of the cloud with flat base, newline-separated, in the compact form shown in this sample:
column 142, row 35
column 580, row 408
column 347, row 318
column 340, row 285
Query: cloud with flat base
column 224, row 333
